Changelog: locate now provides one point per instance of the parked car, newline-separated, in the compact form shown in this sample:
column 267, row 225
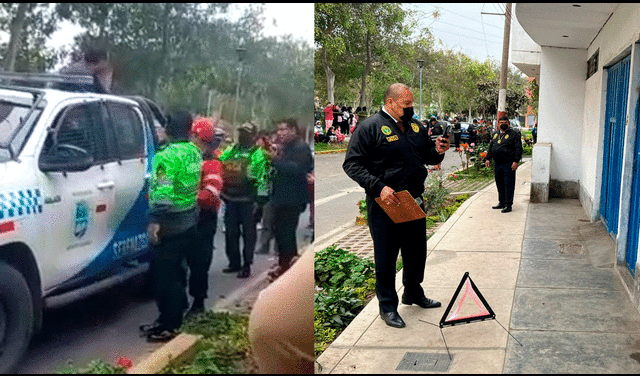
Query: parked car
column 464, row 136
column 74, row 169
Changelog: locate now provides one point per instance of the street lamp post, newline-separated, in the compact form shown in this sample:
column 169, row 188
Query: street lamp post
column 241, row 52
column 420, row 65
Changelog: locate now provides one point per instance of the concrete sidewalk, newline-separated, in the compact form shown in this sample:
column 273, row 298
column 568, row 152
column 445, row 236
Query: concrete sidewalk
column 547, row 273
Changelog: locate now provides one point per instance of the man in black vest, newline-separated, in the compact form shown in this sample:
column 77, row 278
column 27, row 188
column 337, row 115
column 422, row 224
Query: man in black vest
column 506, row 149
column 388, row 153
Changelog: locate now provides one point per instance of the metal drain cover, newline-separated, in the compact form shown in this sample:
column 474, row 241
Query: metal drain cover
column 431, row 362
column 571, row 249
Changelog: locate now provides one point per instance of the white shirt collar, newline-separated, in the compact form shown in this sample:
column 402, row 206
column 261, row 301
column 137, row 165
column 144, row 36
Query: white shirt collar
column 385, row 111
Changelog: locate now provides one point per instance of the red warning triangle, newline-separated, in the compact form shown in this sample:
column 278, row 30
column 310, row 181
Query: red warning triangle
column 469, row 305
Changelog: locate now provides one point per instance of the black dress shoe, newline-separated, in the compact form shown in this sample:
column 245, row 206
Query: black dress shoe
column 506, row 210
column 499, row 206
column 392, row 319
column 423, row 302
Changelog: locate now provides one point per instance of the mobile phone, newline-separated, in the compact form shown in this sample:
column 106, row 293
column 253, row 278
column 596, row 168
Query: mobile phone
column 447, row 131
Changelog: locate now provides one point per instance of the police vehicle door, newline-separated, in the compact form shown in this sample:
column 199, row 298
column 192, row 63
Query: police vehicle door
column 131, row 203
column 75, row 202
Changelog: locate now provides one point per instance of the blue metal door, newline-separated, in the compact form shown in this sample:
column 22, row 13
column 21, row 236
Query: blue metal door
column 616, row 117
column 634, row 209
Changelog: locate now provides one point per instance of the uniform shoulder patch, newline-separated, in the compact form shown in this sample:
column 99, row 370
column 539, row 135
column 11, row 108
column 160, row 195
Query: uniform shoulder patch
column 415, row 128
column 385, row 130
column 495, row 136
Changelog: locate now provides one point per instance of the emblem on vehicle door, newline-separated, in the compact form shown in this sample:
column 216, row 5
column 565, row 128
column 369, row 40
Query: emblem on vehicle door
column 82, row 219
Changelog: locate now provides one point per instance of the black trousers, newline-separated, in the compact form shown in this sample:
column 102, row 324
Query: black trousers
column 285, row 224
column 167, row 266
column 239, row 215
column 389, row 238
column 199, row 257
column 506, row 183
column 456, row 139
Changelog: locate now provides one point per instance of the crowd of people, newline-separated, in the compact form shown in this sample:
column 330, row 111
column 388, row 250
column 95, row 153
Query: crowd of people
column 262, row 178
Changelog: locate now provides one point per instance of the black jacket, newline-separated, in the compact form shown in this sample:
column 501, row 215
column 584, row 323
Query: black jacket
column 290, row 179
column 505, row 149
column 380, row 155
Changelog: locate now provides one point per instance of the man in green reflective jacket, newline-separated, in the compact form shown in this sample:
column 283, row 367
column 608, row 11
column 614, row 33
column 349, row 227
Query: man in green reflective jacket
column 172, row 223
column 244, row 170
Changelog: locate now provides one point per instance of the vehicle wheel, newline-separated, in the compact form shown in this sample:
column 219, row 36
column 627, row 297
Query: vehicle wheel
column 16, row 317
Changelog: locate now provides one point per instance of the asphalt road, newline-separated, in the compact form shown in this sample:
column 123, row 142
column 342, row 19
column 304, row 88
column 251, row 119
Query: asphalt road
column 337, row 195
column 105, row 326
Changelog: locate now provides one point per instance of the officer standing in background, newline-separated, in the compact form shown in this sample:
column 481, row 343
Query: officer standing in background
column 388, row 153
column 457, row 132
column 243, row 170
column 172, row 223
column 506, row 149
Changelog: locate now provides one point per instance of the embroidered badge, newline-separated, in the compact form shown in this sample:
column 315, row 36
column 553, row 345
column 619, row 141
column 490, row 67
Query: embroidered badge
column 415, row 128
column 499, row 141
column 506, row 137
column 495, row 136
column 386, row 130
column 392, row 138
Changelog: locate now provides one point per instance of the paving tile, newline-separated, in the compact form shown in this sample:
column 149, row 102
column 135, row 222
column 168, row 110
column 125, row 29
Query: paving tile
column 488, row 270
column 574, row 310
column 383, row 361
column 575, row 353
column 554, row 249
column 565, row 274
column 329, row 359
column 482, row 242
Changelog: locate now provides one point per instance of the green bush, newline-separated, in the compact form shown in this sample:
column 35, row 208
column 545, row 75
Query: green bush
column 527, row 150
column 362, row 208
column 338, row 267
column 435, row 194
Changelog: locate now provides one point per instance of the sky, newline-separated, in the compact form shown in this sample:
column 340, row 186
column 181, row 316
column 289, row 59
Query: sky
column 296, row 19
column 462, row 27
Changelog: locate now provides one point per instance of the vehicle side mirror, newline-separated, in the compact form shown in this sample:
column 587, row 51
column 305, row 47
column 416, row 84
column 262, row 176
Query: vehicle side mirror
column 65, row 158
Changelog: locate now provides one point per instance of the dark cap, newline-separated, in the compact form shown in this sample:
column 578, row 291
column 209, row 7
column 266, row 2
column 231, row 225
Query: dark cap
column 247, row 127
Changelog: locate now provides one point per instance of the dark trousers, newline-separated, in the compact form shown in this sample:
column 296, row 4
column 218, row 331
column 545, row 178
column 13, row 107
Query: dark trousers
column 456, row 139
column 239, row 215
column 199, row 257
column 506, row 183
column 167, row 266
column 285, row 224
column 410, row 239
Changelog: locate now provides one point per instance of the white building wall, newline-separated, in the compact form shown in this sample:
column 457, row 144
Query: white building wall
column 561, row 109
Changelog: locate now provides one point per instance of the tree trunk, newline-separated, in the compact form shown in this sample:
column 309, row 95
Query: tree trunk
column 367, row 68
column 16, row 32
column 162, row 65
column 331, row 77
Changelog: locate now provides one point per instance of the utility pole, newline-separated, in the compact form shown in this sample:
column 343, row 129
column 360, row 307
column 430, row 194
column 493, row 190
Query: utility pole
column 420, row 65
column 502, row 94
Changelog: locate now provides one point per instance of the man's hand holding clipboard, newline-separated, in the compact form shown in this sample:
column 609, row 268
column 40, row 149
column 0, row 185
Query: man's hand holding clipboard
column 399, row 206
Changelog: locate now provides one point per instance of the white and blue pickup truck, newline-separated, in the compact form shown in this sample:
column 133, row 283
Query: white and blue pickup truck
column 74, row 172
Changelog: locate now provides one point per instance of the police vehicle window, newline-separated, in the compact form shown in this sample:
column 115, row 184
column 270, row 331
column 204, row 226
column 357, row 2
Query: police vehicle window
column 128, row 130
column 11, row 116
column 77, row 128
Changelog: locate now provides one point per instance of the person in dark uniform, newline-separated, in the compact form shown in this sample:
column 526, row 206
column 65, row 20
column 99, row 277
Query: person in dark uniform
column 473, row 134
column 506, row 150
column 388, row 153
column 457, row 132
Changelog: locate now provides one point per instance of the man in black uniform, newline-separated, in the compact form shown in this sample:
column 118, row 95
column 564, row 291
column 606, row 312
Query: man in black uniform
column 506, row 149
column 388, row 153
column 457, row 132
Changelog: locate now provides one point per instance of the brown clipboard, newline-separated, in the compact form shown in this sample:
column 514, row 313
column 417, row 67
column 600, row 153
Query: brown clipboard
column 408, row 210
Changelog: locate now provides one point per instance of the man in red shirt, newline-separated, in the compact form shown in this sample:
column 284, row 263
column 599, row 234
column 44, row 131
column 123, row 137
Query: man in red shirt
column 207, row 138
column 328, row 116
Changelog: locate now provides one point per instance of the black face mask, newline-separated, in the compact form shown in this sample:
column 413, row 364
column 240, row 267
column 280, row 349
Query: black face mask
column 504, row 127
column 407, row 115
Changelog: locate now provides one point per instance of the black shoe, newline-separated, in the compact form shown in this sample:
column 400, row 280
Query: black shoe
column 196, row 308
column 506, row 210
column 165, row 335
column 244, row 273
column 230, row 270
column 392, row 319
column 499, row 206
column 423, row 302
column 146, row 329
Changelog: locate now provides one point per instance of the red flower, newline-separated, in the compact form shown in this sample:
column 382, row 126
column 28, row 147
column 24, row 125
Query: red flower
column 124, row 362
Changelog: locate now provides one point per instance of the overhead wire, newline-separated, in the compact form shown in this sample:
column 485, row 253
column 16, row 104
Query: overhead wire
column 465, row 36
column 483, row 32
column 461, row 27
column 461, row 15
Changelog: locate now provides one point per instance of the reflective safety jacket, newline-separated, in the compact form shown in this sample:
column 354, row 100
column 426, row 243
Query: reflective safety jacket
column 244, row 170
column 173, row 189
